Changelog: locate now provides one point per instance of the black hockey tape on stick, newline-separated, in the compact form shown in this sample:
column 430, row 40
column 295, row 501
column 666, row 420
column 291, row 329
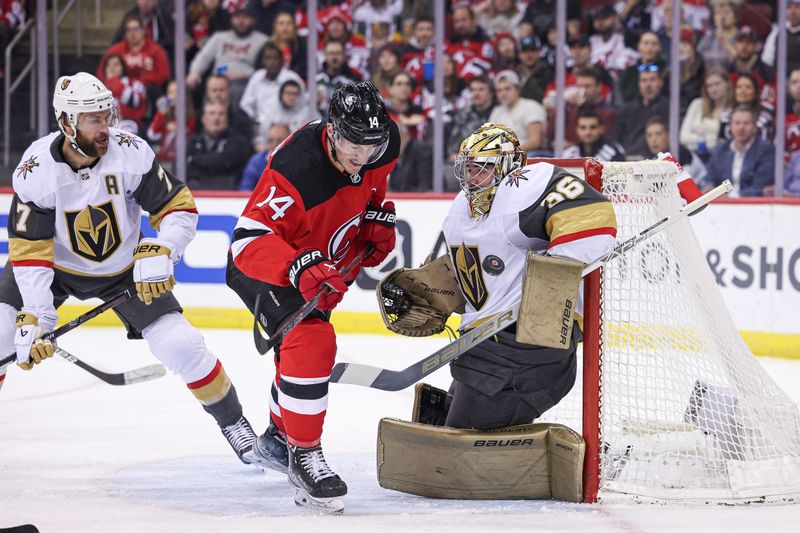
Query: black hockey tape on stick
column 81, row 319
column 394, row 380
column 263, row 344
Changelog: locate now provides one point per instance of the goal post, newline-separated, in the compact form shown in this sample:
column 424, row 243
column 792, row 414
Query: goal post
column 673, row 406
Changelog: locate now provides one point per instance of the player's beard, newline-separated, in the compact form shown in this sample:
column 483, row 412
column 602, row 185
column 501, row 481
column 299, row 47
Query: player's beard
column 91, row 147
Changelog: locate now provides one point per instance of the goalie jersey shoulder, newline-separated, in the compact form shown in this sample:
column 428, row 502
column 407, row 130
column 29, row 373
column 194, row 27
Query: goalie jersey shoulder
column 522, row 188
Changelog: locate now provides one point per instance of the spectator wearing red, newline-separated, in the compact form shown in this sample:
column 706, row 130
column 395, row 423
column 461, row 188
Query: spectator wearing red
column 469, row 45
column 580, row 58
column 145, row 60
column 158, row 25
column 163, row 131
column 695, row 13
column 608, row 43
column 419, row 49
column 131, row 94
column 585, row 94
column 793, row 115
column 338, row 26
column 506, row 52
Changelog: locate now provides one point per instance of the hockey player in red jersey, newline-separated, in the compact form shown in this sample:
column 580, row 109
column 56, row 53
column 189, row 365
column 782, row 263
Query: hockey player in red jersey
column 319, row 202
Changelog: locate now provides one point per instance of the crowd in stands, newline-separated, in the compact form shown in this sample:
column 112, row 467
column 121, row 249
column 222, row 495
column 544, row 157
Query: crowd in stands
column 246, row 70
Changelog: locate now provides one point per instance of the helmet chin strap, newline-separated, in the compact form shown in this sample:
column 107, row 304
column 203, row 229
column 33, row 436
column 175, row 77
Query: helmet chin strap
column 73, row 139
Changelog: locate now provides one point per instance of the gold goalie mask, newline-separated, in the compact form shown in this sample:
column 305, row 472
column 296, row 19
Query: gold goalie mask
column 484, row 159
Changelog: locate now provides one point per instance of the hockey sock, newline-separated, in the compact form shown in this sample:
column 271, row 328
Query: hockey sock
column 217, row 396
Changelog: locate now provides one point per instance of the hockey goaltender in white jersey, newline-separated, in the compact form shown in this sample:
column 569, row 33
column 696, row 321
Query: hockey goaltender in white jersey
column 74, row 230
column 515, row 232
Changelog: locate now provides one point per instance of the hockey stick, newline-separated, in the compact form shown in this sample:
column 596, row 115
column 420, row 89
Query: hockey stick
column 263, row 345
column 145, row 373
column 394, row 380
column 78, row 320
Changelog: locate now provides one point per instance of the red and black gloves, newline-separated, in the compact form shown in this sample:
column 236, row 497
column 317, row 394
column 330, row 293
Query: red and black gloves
column 311, row 272
column 377, row 230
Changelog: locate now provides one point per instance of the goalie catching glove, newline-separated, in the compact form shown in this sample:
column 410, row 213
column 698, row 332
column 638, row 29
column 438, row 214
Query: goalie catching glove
column 31, row 349
column 153, row 271
column 417, row 302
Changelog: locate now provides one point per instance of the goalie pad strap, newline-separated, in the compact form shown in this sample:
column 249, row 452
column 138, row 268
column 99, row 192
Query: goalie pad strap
column 549, row 300
column 531, row 461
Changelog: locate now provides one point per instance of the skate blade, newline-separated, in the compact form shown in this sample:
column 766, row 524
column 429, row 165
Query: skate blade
column 326, row 505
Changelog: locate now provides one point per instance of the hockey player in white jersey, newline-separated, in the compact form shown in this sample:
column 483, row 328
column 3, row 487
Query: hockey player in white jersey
column 74, row 229
column 505, row 209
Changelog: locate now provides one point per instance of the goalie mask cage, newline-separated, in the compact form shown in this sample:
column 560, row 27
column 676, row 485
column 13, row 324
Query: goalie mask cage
column 674, row 406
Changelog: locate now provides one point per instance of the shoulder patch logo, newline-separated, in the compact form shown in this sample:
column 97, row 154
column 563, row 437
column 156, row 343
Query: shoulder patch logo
column 27, row 166
column 467, row 262
column 94, row 231
column 128, row 140
column 514, row 178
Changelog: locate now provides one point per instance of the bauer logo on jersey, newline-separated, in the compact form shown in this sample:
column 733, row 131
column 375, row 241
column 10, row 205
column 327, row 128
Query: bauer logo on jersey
column 467, row 261
column 94, row 231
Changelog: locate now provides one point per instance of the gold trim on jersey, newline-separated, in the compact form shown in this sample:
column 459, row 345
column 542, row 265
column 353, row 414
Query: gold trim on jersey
column 94, row 231
column 182, row 201
column 88, row 275
column 575, row 219
column 467, row 262
column 25, row 250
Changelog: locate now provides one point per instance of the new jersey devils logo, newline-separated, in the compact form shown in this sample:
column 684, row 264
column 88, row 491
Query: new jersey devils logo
column 343, row 238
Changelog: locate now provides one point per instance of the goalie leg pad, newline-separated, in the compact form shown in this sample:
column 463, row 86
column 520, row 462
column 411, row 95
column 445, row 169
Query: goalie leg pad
column 549, row 300
column 532, row 461
column 431, row 405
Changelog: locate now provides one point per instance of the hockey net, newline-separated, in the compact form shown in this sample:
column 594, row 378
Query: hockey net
column 674, row 406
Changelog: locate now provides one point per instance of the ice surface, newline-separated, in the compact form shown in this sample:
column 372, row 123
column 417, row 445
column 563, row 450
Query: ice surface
column 85, row 457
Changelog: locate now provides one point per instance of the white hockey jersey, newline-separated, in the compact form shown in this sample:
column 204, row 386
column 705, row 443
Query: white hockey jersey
column 539, row 207
column 87, row 222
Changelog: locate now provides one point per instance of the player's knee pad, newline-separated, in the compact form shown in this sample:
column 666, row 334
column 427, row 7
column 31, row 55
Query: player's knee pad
column 309, row 350
column 531, row 461
column 180, row 347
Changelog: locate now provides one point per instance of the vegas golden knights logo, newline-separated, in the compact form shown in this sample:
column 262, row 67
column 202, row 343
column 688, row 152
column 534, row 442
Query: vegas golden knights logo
column 467, row 262
column 93, row 231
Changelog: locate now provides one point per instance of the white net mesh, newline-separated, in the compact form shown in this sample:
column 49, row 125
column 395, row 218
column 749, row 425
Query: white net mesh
column 686, row 411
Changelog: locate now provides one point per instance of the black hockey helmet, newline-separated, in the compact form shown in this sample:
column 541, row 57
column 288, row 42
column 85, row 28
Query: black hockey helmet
column 359, row 115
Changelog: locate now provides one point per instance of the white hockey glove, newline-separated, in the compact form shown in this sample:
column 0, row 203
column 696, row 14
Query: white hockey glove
column 31, row 349
column 153, row 271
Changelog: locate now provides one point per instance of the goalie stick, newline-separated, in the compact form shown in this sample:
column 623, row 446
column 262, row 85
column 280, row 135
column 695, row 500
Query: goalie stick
column 394, row 380
column 78, row 320
column 263, row 344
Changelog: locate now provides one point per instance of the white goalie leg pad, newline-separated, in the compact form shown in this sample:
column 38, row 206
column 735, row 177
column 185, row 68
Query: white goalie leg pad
column 549, row 301
column 180, row 347
column 531, row 461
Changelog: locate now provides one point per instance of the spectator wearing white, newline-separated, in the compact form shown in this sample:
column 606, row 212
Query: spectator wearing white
column 292, row 109
column 499, row 16
column 718, row 45
column 377, row 17
column 232, row 53
column 608, row 43
column 526, row 117
column 261, row 95
column 700, row 127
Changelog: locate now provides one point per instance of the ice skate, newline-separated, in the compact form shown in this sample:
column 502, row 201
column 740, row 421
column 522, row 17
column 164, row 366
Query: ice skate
column 316, row 485
column 241, row 438
column 270, row 450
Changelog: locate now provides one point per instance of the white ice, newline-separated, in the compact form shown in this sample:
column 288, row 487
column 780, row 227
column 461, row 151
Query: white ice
column 82, row 456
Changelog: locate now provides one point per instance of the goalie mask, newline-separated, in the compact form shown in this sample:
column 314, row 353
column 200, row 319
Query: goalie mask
column 484, row 159
column 81, row 93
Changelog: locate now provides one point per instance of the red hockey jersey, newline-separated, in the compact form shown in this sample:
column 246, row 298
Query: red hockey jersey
column 303, row 201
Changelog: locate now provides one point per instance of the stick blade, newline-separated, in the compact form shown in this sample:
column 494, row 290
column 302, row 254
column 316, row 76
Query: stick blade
column 146, row 373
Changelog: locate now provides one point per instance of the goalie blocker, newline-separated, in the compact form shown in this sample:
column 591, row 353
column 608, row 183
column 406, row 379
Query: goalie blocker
column 530, row 461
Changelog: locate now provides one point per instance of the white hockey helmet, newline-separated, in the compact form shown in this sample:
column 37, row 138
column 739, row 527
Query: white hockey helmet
column 81, row 93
